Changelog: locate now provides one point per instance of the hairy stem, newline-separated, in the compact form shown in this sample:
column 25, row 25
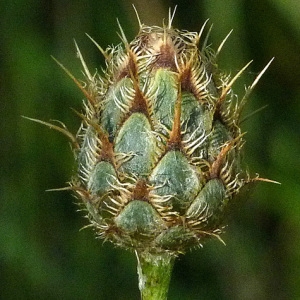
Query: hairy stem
column 154, row 271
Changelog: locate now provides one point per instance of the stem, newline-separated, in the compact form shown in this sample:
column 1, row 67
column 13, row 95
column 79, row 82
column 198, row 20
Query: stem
column 154, row 271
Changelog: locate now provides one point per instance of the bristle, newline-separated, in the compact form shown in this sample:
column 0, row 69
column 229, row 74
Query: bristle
column 137, row 16
column 230, row 84
column 86, row 70
column 104, row 53
column 81, row 87
column 222, row 43
column 62, row 130
column 201, row 32
column 123, row 36
column 250, row 89
column 204, row 45
column 174, row 141
column 171, row 17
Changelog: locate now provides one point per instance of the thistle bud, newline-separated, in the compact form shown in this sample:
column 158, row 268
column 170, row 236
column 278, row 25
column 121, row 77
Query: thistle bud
column 159, row 148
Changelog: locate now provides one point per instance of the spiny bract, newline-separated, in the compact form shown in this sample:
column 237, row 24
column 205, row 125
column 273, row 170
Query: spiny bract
column 158, row 151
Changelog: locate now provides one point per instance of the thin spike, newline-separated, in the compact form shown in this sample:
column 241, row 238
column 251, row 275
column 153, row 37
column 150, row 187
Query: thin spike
column 223, row 42
column 81, row 87
column 207, row 37
column 171, row 16
column 86, row 70
column 137, row 16
column 64, row 131
column 230, row 84
column 265, row 180
column 66, row 188
column 123, row 36
column 89, row 122
column 250, row 89
column 253, row 113
column 201, row 31
column 261, row 74
column 103, row 52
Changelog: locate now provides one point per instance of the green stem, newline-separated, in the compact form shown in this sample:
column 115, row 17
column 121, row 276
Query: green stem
column 154, row 271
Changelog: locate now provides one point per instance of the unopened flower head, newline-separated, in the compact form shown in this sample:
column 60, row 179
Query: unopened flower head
column 159, row 148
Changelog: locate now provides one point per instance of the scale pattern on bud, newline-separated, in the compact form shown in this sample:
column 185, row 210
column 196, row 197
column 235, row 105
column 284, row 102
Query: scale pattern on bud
column 158, row 151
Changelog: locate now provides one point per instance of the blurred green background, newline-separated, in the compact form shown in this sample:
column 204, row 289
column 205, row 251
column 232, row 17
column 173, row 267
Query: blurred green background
column 43, row 255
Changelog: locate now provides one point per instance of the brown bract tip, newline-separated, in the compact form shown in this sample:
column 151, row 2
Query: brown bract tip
column 140, row 191
column 139, row 103
column 161, row 46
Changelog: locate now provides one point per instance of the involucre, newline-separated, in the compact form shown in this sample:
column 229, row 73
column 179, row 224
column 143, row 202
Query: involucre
column 159, row 148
